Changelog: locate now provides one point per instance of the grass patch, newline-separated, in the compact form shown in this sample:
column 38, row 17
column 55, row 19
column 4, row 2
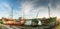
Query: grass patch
column 58, row 26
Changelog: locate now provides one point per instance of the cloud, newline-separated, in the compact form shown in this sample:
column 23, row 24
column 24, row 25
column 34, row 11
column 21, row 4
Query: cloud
column 5, row 10
column 58, row 7
column 17, row 14
column 57, row 10
column 26, row 7
column 43, row 12
column 29, row 9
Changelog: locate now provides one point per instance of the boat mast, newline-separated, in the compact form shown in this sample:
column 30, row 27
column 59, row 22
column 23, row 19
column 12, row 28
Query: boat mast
column 48, row 11
column 23, row 15
column 37, row 14
column 49, row 4
column 11, row 15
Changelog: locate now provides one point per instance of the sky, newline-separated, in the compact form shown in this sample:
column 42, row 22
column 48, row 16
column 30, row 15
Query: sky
column 29, row 8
